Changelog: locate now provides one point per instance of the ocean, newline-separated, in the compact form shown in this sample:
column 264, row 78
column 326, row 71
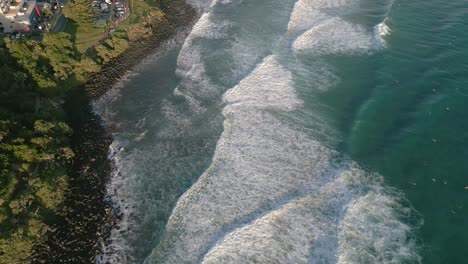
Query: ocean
column 308, row 131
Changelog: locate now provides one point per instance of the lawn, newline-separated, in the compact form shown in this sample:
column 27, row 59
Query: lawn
column 85, row 38
column 139, row 9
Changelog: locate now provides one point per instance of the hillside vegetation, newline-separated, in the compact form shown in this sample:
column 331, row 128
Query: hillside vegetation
column 35, row 153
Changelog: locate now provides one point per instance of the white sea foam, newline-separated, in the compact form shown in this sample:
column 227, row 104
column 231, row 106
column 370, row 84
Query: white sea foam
column 133, row 165
column 268, row 87
column 271, row 194
column 304, row 16
column 190, row 67
column 123, row 164
column 352, row 219
column 383, row 28
column 246, row 179
column 189, row 55
column 194, row 86
column 318, row 27
column 334, row 36
column 102, row 106
column 205, row 5
column 117, row 182
column 181, row 123
column 372, row 230
column 307, row 13
column 201, row 5
column 382, row 31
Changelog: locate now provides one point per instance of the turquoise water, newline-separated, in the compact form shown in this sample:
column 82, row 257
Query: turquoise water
column 310, row 131
column 412, row 128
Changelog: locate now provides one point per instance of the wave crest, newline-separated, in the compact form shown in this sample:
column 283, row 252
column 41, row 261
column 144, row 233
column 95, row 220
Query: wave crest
column 272, row 194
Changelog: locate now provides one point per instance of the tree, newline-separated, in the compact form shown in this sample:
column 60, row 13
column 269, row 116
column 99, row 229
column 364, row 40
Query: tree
column 104, row 52
column 58, row 48
column 85, row 66
column 112, row 48
column 28, row 55
column 80, row 11
column 34, row 140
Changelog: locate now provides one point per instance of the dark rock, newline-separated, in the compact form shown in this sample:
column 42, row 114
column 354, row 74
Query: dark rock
column 86, row 209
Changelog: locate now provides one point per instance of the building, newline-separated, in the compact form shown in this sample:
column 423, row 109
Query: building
column 18, row 15
column 4, row 6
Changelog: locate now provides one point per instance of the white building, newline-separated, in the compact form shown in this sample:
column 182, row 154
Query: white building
column 18, row 15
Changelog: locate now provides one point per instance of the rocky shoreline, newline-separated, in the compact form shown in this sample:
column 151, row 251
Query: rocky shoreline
column 88, row 217
column 178, row 14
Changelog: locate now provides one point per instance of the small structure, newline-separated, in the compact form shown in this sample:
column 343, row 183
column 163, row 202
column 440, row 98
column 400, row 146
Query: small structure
column 18, row 15
column 104, row 7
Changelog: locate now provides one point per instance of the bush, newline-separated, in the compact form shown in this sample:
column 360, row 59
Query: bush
column 111, row 48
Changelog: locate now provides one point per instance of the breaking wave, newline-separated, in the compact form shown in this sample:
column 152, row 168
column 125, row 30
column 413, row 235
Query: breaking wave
column 273, row 193
column 334, row 36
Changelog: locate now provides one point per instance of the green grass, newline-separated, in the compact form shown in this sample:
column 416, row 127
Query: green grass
column 139, row 9
column 85, row 38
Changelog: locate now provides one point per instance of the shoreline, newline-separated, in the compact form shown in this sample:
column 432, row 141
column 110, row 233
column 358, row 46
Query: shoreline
column 88, row 214
column 178, row 14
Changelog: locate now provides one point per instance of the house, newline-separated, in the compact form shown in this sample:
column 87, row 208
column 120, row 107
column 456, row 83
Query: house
column 18, row 15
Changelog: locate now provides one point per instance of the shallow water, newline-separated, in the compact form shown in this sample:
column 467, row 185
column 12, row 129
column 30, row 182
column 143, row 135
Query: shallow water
column 309, row 131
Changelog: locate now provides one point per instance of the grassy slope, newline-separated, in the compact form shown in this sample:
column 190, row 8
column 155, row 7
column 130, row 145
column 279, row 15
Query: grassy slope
column 85, row 38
